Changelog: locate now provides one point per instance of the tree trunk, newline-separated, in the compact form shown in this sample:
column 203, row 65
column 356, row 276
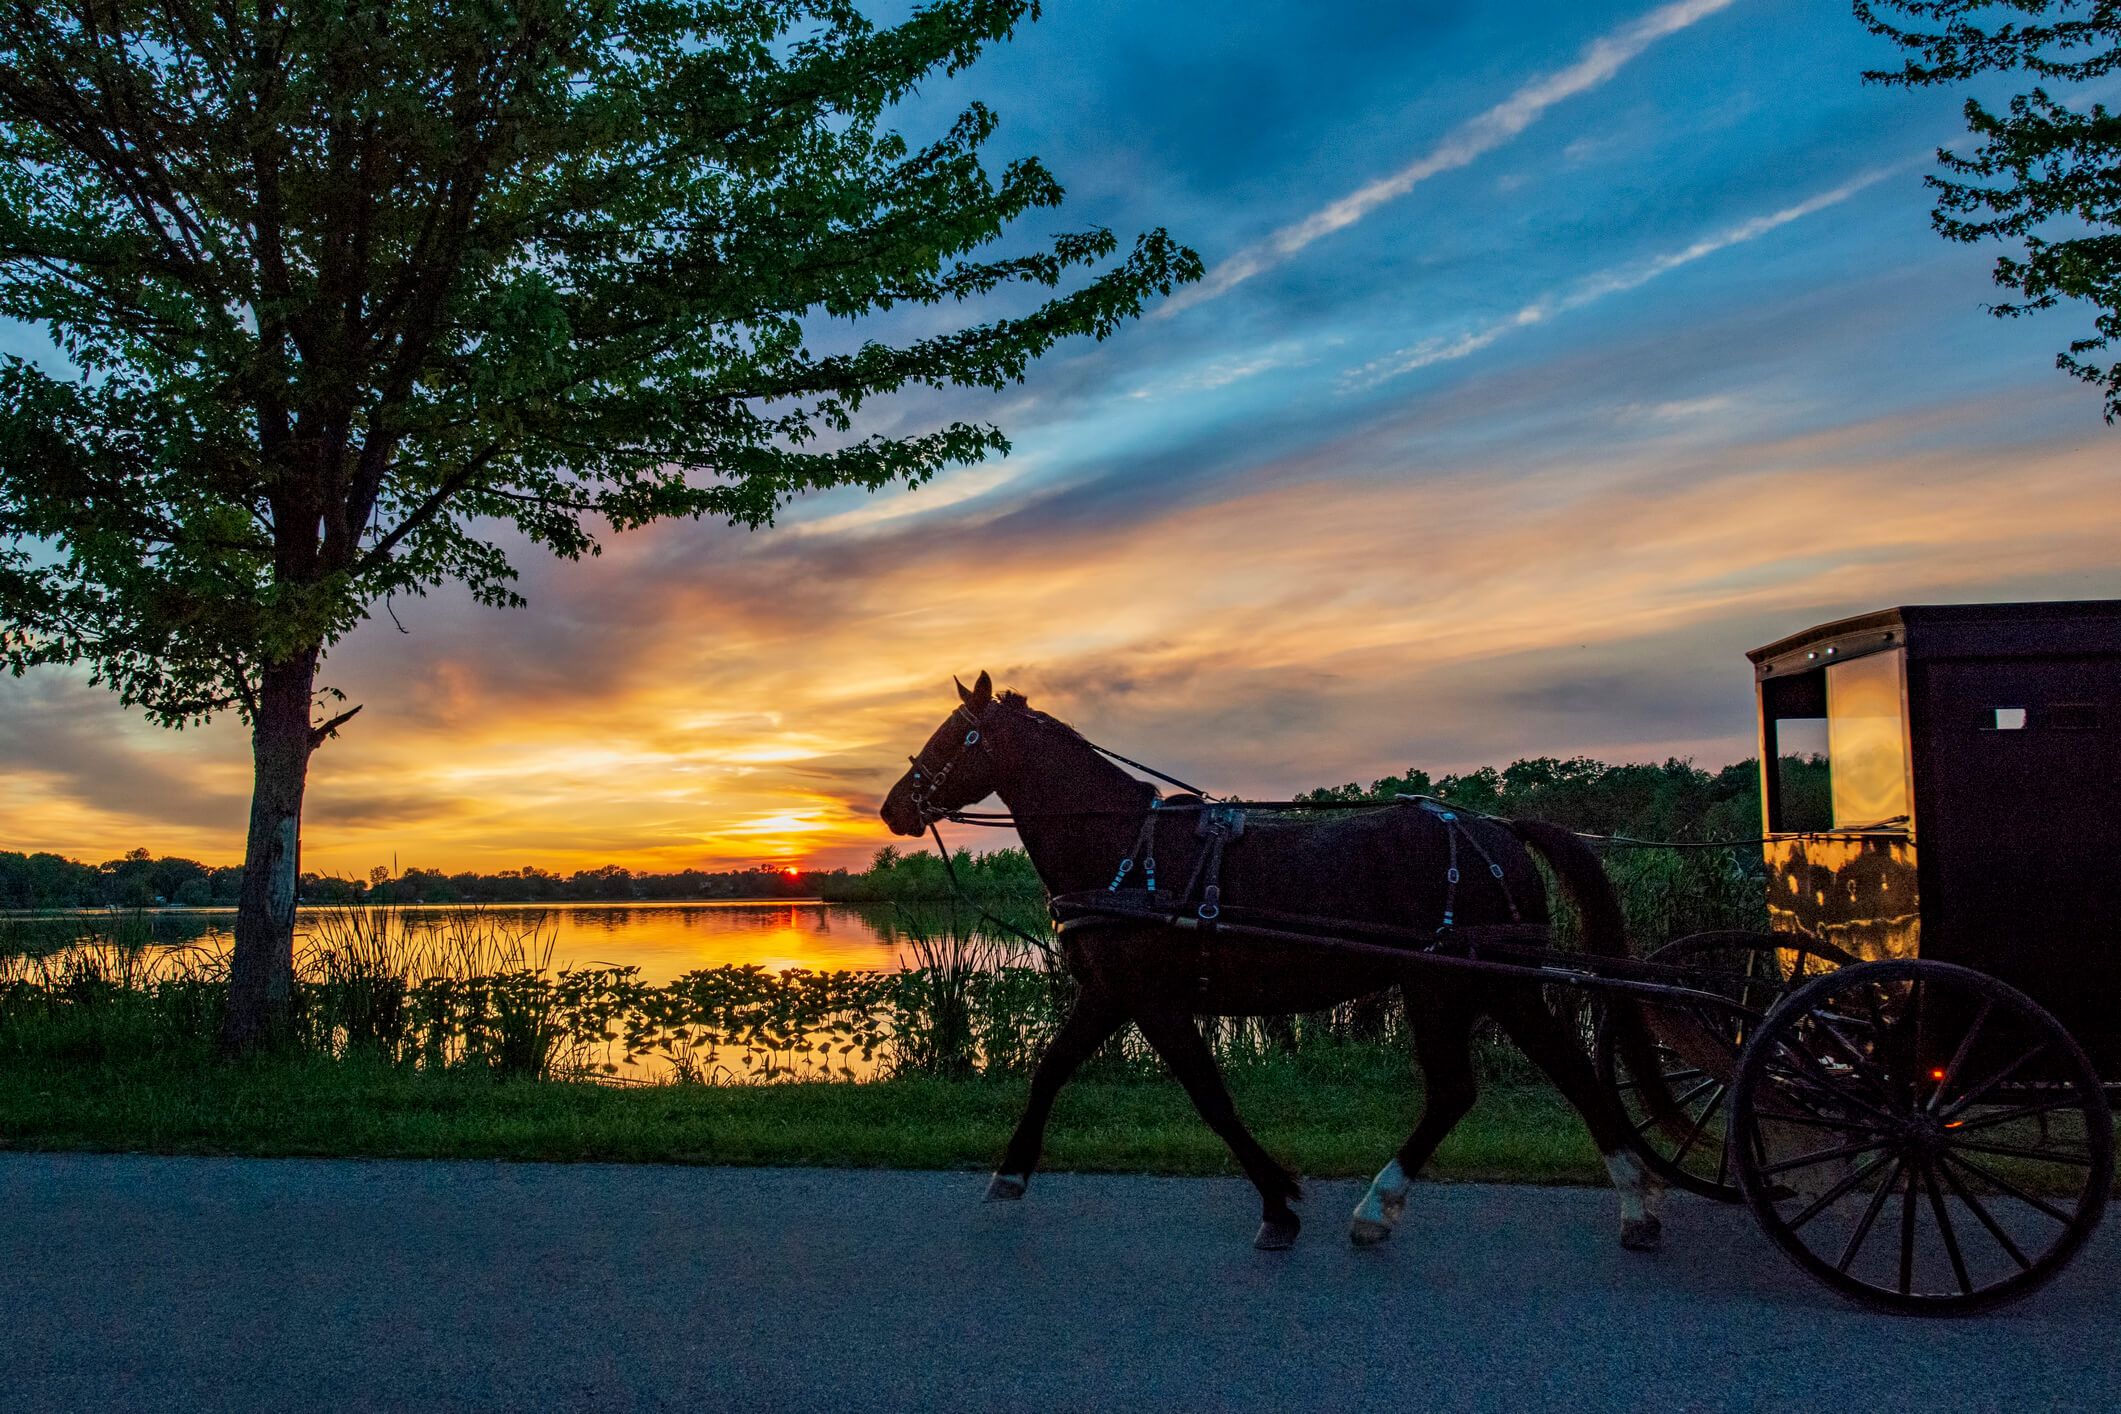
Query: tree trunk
column 261, row 970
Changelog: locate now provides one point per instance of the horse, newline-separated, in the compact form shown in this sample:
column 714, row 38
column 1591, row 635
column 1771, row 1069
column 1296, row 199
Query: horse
column 1078, row 814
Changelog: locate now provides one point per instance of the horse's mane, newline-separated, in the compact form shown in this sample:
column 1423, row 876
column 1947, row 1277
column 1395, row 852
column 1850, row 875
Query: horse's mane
column 1010, row 697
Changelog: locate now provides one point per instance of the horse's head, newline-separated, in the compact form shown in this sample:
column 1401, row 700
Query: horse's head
column 951, row 771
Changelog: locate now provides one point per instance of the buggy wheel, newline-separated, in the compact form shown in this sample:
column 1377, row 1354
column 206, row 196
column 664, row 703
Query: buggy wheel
column 1678, row 1113
column 1921, row 1137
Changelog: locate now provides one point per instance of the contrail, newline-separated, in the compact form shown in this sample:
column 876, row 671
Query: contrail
column 1626, row 277
column 1602, row 59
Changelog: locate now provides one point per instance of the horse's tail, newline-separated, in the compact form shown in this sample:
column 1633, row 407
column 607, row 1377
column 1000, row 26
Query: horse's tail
column 1604, row 931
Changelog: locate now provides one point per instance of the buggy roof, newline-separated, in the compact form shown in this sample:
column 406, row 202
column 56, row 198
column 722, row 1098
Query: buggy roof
column 2057, row 627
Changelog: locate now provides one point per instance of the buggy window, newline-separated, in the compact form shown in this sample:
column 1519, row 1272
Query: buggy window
column 1867, row 740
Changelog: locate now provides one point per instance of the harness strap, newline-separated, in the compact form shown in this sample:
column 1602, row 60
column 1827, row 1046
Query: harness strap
column 1220, row 824
column 1495, row 870
column 1450, row 873
column 1452, row 829
column 1144, row 838
column 1130, row 761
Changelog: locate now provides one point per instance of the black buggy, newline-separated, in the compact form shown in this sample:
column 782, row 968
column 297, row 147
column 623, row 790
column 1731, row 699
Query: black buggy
column 1909, row 1085
column 1906, row 1077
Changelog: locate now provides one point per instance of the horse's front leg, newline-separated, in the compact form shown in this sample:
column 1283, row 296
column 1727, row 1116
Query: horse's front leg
column 1441, row 1019
column 1089, row 1026
column 1178, row 1040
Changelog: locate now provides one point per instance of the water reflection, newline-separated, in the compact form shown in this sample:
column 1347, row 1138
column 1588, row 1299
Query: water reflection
column 664, row 940
column 667, row 941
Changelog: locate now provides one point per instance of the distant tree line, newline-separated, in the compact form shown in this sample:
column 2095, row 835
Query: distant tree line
column 33, row 881
column 135, row 881
column 1674, row 801
column 893, row 877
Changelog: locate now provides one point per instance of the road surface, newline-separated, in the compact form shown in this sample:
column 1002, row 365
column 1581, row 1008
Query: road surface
column 143, row 1283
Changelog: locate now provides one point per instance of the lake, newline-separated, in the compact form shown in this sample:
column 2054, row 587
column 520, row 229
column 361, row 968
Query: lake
column 664, row 940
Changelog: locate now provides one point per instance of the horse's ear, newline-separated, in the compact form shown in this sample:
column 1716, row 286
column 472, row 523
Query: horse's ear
column 978, row 695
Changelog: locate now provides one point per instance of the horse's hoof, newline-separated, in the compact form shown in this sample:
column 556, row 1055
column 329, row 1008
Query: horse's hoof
column 1277, row 1234
column 1367, row 1232
column 1004, row 1189
column 1641, row 1234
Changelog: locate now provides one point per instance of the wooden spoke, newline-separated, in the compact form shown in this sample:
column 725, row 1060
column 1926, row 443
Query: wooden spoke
column 1679, row 1154
column 1996, row 1180
column 1834, row 1195
column 2013, row 1151
column 1995, row 1229
column 1866, row 1068
column 1812, row 1120
column 1670, row 1077
column 1944, row 1230
column 1966, row 1047
column 1682, row 1102
column 1907, row 1234
column 1821, row 1156
column 1993, row 1081
column 1968, row 1126
column 1871, row 1210
column 1808, row 1066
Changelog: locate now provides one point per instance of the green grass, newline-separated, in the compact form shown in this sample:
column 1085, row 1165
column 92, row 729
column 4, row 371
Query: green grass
column 1333, row 1114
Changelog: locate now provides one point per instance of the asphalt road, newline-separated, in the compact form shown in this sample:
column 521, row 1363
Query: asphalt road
column 174, row 1284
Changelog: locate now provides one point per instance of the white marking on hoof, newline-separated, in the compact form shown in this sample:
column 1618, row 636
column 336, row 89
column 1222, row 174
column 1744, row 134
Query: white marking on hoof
column 1381, row 1208
column 1641, row 1196
column 1007, row 1188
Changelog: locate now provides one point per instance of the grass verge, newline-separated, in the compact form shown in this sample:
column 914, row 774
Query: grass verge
column 1331, row 1114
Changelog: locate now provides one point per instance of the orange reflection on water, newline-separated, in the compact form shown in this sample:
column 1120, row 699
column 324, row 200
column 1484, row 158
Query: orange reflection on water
column 668, row 940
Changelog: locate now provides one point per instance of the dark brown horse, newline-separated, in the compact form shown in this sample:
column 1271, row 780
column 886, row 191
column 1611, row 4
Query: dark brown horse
column 1079, row 815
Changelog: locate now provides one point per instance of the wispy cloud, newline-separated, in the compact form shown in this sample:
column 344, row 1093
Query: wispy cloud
column 1601, row 59
column 1445, row 347
column 1221, row 373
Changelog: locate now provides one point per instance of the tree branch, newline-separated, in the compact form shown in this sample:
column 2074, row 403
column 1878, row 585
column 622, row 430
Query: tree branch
column 318, row 735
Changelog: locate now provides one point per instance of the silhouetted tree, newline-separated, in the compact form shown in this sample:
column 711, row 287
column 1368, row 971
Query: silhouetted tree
column 347, row 284
column 2045, row 175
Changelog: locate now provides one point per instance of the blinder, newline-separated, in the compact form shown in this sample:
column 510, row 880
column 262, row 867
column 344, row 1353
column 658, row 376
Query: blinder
column 929, row 779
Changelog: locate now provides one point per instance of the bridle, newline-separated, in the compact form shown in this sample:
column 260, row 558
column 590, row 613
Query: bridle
column 927, row 780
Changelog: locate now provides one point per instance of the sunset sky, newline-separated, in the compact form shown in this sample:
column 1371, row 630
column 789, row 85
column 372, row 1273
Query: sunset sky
column 1551, row 356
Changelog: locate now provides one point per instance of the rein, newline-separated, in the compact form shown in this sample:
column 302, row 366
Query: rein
column 950, row 872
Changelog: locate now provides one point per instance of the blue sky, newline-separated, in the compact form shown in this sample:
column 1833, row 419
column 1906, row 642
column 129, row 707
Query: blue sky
column 1579, row 348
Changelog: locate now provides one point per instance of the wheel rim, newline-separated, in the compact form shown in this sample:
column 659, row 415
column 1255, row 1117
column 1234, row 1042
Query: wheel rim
column 1921, row 1136
column 1753, row 969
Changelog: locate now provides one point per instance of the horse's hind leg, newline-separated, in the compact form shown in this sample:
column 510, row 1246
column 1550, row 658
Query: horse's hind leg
column 1443, row 1045
column 1178, row 1040
column 1089, row 1026
column 1543, row 1038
